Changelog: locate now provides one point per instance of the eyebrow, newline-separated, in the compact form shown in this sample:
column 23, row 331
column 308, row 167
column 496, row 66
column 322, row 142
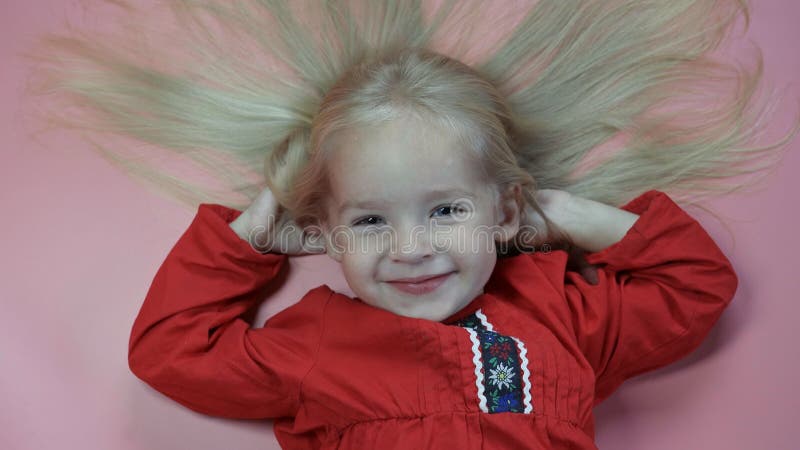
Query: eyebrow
column 436, row 193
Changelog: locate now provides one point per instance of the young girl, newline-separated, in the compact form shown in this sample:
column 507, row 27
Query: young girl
column 443, row 347
column 438, row 187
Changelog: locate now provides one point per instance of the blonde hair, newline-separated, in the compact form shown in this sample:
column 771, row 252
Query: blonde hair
column 409, row 82
column 570, row 76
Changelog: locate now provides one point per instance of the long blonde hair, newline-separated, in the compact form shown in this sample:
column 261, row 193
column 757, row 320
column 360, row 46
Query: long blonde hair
column 249, row 89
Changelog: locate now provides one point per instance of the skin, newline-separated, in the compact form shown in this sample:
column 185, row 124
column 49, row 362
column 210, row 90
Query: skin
column 405, row 232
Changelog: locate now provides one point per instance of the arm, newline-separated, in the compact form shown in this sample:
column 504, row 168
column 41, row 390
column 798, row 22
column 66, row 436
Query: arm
column 591, row 225
column 190, row 343
column 661, row 289
column 266, row 227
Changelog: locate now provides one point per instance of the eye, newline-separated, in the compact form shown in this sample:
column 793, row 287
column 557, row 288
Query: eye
column 369, row 220
column 450, row 210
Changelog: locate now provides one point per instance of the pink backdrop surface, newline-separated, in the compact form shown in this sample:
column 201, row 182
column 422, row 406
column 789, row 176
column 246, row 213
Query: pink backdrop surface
column 80, row 244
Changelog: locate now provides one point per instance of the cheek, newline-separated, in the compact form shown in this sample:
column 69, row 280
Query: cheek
column 358, row 267
column 363, row 241
column 468, row 238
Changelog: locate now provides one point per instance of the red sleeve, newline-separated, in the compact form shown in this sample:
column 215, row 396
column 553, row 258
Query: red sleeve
column 661, row 289
column 190, row 342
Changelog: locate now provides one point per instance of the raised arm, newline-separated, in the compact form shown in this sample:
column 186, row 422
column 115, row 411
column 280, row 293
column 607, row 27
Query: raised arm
column 591, row 225
column 661, row 288
column 190, row 342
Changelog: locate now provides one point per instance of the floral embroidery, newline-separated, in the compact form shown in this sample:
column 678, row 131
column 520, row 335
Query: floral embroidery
column 501, row 367
column 507, row 403
column 501, row 376
column 501, row 351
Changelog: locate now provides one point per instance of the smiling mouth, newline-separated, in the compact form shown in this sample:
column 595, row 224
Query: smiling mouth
column 420, row 285
column 418, row 279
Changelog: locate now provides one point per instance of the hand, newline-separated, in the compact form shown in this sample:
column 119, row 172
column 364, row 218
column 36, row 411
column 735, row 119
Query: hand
column 265, row 225
column 553, row 204
column 576, row 262
column 533, row 228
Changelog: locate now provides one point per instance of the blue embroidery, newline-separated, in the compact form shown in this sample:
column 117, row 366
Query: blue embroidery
column 502, row 372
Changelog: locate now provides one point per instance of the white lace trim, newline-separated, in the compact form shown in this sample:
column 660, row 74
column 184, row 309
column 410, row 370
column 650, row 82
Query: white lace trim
column 526, row 374
column 476, row 359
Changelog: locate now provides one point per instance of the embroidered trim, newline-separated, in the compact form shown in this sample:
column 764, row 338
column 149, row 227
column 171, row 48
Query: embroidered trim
column 526, row 374
column 476, row 359
column 501, row 367
column 484, row 321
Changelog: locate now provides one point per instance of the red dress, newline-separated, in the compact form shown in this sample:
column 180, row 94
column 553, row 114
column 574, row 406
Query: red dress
column 520, row 367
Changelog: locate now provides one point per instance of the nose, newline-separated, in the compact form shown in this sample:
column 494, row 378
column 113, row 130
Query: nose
column 411, row 244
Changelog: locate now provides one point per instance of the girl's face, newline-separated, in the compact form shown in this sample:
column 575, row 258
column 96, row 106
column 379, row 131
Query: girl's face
column 406, row 205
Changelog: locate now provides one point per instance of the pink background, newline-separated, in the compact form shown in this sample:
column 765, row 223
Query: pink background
column 80, row 244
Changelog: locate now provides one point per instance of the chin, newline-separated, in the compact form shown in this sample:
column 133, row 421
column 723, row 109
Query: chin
column 435, row 316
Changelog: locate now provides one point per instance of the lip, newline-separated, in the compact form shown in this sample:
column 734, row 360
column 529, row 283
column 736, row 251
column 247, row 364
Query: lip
column 420, row 285
column 418, row 279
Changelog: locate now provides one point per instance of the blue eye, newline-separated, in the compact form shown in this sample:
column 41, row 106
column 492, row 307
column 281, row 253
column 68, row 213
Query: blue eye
column 441, row 211
column 449, row 210
column 369, row 220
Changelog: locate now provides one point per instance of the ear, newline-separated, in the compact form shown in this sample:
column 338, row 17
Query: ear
column 508, row 213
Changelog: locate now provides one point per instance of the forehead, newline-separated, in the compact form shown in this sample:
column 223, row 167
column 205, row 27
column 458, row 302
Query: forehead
column 399, row 160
